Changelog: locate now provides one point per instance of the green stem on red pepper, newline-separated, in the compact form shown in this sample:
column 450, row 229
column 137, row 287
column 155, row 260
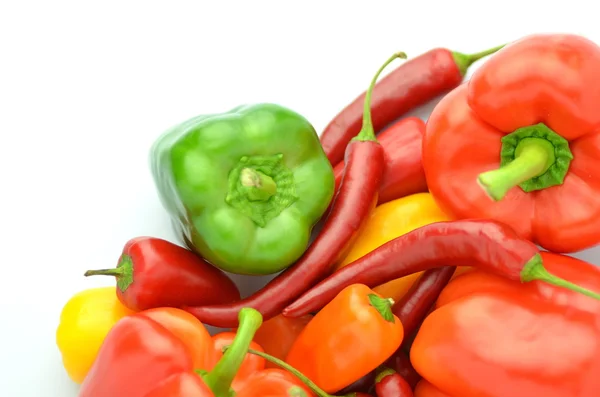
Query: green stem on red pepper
column 367, row 133
column 309, row 383
column 220, row 377
column 535, row 270
column 533, row 158
column 463, row 61
column 123, row 272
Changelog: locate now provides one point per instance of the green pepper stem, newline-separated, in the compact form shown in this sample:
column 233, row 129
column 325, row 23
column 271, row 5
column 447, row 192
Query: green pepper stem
column 220, row 378
column 260, row 187
column 535, row 270
column 383, row 306
column 382, row 373
column 367, row 132
column 303, row 378
column 464, row 61
column 123, row 272
column 533, row 157
column 116, row 272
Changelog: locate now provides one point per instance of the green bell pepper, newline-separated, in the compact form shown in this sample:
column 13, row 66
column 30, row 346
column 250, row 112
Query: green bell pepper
column 244, row 188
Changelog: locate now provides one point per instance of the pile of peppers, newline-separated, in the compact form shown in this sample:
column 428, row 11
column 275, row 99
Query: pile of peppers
column 407, row 258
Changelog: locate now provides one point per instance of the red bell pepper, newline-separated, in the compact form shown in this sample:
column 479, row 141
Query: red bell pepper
column 493, row 337
column 153, row 273
column 520, row 142
column 168, row 353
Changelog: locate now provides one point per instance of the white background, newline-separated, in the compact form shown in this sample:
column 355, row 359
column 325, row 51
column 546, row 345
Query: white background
column 85, row 87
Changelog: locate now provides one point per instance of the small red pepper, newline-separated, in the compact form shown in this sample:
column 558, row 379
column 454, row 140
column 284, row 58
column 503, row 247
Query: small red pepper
column 353, row 204
column 482, row 244
column 153, row 273
column 413, row 84
column 390, row 384
column 155, row 353
column 403, row 172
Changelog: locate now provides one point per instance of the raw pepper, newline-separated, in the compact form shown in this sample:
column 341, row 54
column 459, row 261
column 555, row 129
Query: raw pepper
column 277, row 335
column 166, row 352
column 520, row 142
column 85, row 320
column 351, row 336
column 388, row 221
column 244, row 188
column 153, row 272
column 496, row 338
column 426, row 389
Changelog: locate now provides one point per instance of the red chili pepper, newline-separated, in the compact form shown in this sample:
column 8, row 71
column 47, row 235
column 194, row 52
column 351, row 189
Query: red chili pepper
column 411, row 85
column 400, row 363
column 353, row 204
column 390, row 384
column 414, row 306
column 153, row 273
column 483, row 244
column 403, row 172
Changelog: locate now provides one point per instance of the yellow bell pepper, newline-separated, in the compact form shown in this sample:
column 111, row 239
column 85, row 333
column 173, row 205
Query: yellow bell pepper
column 391, row 220
column 84, row 322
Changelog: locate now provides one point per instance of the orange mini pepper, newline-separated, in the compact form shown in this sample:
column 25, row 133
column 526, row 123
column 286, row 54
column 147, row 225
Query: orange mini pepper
column 493, row 337
column 351, row 336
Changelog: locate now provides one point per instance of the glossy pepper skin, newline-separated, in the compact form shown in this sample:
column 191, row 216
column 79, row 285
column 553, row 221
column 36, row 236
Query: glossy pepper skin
column 153, row 272
column 503, row 338
column 350, row 209
column 520, row 141
column 403, row 173
column 166, row 352
column 391, row 220
column 244, row 188
column 277, row 335
column 85, row 320
column 352, row 335
column 414, row 83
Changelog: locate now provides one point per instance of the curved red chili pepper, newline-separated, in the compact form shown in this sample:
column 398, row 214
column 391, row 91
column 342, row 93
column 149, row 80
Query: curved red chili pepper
column 411, row 85
column 353, row 204
column 416, row 303
column 483, row 244
column 400, row 362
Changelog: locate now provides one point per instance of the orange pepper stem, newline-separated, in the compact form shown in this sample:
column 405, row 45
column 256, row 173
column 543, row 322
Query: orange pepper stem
column 220, row 378
column 367, row 133
column 303, row 378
